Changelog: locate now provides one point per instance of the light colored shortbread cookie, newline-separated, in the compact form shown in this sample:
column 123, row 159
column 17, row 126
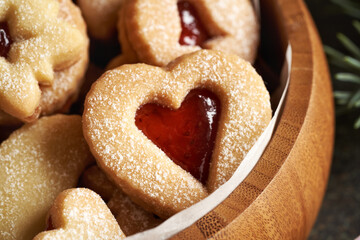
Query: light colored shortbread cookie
column 140, row 168
column 48, row 38
column 37, row 162
column 80, row 214
column 101, row 16
column 131, row 217
column 67, row 82
column 158, row 32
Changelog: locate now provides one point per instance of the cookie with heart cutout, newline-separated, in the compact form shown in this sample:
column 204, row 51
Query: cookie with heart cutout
column 159, row 32
column 135, row 163
column 37, row 162
column 80, row 213
column 131, row 217
column 45, row 56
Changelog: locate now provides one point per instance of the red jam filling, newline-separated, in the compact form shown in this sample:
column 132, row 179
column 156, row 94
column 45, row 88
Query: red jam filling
column 193, row 31
column 5, row 40
column 186, row 135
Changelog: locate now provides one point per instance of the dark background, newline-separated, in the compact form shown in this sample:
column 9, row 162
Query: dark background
column 339, row 217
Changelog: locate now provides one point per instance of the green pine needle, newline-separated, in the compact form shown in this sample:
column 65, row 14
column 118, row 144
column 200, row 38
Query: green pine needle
column 352, row 62
column 348, row 77
column 342, row 94
column 336, row 58
column 355, row 98
column 357, row 123
column 357, row 104
column 356, row 25
column 334, row 53
column 349, row 45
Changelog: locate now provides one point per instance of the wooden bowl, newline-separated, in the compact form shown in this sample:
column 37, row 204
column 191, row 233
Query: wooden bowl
column 281, row 197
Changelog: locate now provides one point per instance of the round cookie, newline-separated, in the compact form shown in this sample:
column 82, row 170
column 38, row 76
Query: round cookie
column 101, row 16
column 46, row 60
column 81, row 214
column 137, row 165
column 37, row 162
column 155, row 31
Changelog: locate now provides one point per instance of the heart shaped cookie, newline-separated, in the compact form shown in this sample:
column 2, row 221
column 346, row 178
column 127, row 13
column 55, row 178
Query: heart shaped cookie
column 141, row 168
column 37, row 162
column 130, row 216
column 81, row 214
column 157, row 33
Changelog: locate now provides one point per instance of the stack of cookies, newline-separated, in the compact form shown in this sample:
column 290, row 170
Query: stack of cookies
column 155, row 121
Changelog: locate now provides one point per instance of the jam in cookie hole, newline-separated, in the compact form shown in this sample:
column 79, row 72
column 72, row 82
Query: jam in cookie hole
column 193, row 31
column 187, row 135
column 5, row 39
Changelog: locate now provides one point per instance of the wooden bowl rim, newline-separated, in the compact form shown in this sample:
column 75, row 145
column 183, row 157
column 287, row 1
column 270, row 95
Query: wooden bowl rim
column 299, row 31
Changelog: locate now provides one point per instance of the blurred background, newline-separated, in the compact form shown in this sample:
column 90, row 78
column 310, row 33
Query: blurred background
column 339, row 217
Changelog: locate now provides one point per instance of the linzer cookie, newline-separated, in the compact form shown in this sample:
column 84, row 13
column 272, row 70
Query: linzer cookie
column 131, row 217
column 134, row 156
column 80, row 214
column 43, row 56
column 159, row 32
column 101, row 16
column 37, row 162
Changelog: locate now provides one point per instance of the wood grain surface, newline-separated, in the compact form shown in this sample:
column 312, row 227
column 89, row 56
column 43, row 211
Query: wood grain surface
column 281, row 197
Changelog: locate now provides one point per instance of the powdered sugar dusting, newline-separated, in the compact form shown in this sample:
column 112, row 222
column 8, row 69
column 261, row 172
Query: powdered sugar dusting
column 154, row 28
column 42, row 42
column 81, row 214
column 130, row 216
column 101, row 16
column 37, row 162
column 140, row 168
column 67, row 81
column 234, row 25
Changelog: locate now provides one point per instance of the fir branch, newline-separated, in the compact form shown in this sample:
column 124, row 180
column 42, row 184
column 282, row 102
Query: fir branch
column 347, row 100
